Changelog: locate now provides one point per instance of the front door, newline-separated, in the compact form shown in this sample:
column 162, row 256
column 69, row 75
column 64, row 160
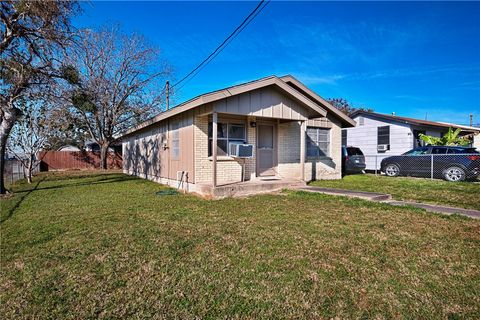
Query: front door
column 266, row 151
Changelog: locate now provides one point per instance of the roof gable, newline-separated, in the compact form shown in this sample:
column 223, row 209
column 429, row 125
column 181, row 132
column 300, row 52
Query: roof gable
column 317, row 109
column 305, row 90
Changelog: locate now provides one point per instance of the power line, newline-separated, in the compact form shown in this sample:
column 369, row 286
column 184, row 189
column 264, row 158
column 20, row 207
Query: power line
column 227, row 43
column 239, row 29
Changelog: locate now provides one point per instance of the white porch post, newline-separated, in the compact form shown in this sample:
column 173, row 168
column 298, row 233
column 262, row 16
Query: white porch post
column 214, row 148
column 303, row 130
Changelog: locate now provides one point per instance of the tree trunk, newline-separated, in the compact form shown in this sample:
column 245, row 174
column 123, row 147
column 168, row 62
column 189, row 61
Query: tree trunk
column 8, row 116
column 30, row 169
column 104, row 155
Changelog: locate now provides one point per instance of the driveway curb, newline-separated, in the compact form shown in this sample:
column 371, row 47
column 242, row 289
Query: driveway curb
column 387, row 198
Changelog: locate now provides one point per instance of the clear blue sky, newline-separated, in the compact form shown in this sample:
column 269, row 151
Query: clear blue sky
column 412, row 58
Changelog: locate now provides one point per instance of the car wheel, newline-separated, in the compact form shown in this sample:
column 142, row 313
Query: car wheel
column 392, row 170
column 454, row 174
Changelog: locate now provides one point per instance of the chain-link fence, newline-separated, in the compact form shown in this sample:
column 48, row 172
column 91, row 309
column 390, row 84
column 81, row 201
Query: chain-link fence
column 15, row 171
column 451, row 167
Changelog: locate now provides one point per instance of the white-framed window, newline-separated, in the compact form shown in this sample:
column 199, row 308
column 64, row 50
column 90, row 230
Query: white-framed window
column 318, row 142
column 175, row 147
column 226, row 133
column 383, row 135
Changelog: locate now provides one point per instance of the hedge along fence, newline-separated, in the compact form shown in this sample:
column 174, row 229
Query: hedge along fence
column 77, row 160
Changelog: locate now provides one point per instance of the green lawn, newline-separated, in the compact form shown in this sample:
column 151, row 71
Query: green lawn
column 106, row 246
column 457, row 194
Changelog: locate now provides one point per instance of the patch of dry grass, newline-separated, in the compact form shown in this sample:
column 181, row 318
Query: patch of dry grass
column 104, row 245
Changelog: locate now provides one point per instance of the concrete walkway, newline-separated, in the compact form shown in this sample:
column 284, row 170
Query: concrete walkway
column 386, row 198
column 373, row 196
column 475, row 214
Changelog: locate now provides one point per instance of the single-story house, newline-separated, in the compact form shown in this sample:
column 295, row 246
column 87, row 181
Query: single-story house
column 381, row 135
column 288, row 133
column 69, row 147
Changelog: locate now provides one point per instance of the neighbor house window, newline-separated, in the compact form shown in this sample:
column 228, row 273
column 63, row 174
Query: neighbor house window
column 361, row 121
column 226, row 134
column 344, row 137
column 175, row 140
column 383, row 135
column 318, row 142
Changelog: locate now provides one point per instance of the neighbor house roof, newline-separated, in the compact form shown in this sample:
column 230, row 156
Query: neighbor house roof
column 414, row 121
column 287, row 84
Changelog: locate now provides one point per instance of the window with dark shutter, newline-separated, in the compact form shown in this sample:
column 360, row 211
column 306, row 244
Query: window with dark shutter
column 383, row 135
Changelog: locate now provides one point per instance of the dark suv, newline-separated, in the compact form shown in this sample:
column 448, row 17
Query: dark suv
column 449, row 163
column 353, row 160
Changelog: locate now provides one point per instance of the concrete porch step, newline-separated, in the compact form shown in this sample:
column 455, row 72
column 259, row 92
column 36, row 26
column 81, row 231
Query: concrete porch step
column 250, row 187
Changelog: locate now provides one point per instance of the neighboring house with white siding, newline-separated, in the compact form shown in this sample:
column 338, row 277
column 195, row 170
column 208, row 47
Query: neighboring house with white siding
column 380, row 135
column 288, row 133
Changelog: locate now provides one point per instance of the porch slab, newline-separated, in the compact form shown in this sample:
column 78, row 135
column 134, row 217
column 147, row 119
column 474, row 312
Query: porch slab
column 247, row 188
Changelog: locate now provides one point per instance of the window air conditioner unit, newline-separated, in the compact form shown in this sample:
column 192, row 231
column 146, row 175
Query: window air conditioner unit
column 240, row 150
column 382, row 147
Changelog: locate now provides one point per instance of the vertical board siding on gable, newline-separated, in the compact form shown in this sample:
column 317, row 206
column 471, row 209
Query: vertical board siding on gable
column 265, row 102
column 244, row 103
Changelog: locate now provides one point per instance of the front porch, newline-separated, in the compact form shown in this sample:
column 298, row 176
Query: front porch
column 246, row 188
column 278, row 149
column 275, row 125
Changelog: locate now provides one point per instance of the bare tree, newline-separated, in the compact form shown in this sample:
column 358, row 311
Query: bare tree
column 114, row 83
column 31, row 35
column 345, row 106
column 30, row 135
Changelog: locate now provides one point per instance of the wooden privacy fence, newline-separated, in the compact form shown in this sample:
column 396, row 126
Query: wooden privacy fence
column 77, row 160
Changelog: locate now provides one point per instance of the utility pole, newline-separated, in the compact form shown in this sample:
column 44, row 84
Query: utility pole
column 471, row 120
column 167, row 94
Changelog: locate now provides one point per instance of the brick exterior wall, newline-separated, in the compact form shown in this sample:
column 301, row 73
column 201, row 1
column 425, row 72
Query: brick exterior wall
column 289, row 150
column 228, row 171
column 328, row 169
column 250, row 167
column 288, row 137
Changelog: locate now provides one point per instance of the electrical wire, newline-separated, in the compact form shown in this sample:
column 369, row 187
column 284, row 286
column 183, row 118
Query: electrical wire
column 225, row 42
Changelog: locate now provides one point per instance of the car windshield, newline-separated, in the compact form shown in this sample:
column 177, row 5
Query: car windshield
column 354, row 152
column 416, row 152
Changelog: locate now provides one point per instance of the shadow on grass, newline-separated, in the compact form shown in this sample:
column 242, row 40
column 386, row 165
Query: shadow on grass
column 25, row 194
column 89, row 183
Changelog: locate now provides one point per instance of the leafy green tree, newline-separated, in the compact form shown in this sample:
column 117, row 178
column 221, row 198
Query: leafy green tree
column 451, row 138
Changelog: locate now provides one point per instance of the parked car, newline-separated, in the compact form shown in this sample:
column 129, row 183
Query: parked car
column 353, row 160
column 449, row 163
